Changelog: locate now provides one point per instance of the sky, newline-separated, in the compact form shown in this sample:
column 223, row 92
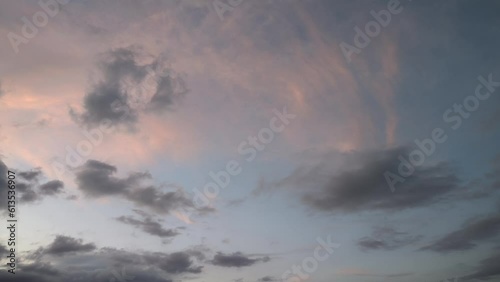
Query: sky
column 249, row 141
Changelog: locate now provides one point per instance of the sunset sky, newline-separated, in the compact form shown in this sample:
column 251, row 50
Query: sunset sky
column 251, row 141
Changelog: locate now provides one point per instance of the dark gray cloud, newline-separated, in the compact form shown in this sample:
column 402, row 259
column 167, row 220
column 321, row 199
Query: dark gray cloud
column 113, row 265
column 472, row 232
column 33, row 192
column 27, row 192
column 3, row 184
column 159, row 201
column 96, row 179
column 149, row 225
column 169, row 90
column 31, row 175
column 105, row 103
column 386, row 238
column 3, row 251
column 63, row 245
column 175, row 263
column 26, row 277
column 128, row 88
column 360, row 183
column 83, row 262
column 488, row 268
column 45, row 272
column 26, row 185
column 51, row 188
column 107, row 100
column 40, row 268
column 28, row 195
column 237, row 259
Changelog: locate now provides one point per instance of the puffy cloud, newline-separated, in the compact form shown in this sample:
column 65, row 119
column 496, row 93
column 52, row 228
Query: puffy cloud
column 51, row 188
column 63, row 245
column 72, row 260
column 27, row 187
column 31, row 175
column 175, row 263
column 96, row 179
column 128, row 88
